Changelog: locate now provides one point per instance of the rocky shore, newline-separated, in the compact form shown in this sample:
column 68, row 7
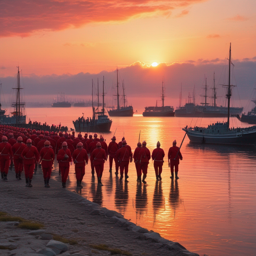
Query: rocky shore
column 72, row 225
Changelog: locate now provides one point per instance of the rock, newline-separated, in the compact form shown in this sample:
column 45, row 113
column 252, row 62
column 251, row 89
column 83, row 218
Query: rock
column 110, row 213
column 65, row 254
column 139, row 229
column 36, row 232
column 152, row 236
column 10, row 224
column 46, row 237
column 47, row 252
column 95, row 212
column 10, row 246
column 57, row 247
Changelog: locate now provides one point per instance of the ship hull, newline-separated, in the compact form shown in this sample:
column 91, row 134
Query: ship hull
column 250, row 119
column 158, row 114
column 93, row 127
column 61, row 105
column 11, row 120
column 121, row 112
column 236, row 138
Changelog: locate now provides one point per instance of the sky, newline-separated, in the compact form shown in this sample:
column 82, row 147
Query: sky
column 71, row 42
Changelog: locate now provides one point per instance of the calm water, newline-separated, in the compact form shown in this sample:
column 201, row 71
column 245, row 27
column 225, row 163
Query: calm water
column 212, row 207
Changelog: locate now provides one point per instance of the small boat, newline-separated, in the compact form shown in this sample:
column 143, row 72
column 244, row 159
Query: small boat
column 121, row 111
column 99, row 121
column 221, row 133
column 250, row 118
column 61, row 102
column 159, row 111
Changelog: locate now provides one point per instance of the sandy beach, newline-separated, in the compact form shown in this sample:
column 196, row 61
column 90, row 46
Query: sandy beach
column 69, row 215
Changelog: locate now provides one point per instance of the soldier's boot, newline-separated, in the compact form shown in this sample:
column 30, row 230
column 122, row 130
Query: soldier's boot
column 2, row 175
column 77, row 184
column 47, row 182
column 92, row 173
column 121, row 176
column 63, row 184
column 110, row 170
column 26, row 182
column 116, row 173
column 29, row 183
column 176, row 175
column 159, row 177
column 143, row 179
column 19, row 176
column 80, row 184
column 5, row 176
column 99, row 181
column 126, row 178
column 172, row 175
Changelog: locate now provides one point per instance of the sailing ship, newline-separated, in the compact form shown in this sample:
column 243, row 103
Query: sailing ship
column 99, row 121
column 17, row 117
column 120, row 111
column 221, row 133
column 61, row 102
column 250, row 118
column 159, row 111
column 190, row 109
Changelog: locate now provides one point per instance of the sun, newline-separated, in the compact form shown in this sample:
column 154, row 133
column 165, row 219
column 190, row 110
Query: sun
column 154, row 64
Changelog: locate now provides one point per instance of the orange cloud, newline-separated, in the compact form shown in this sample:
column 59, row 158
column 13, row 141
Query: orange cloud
column 23, row 17
column 213, row 36
column 183, row 13
column 238, row 18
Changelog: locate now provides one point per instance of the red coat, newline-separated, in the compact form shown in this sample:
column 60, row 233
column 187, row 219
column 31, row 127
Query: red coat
column 6, row 150
column 61, row 159
column 30, row 155
column 40, row 144
column 136, row 154
column 12, row 141
column 98, row 156
column 112, row 148
column 158, row 155
column 17, row 149
column 80, row 157
column 104, row 146
column 47, row 156
column 92, row 146
column 144, row 155
column 173, row 152
column 124, row 154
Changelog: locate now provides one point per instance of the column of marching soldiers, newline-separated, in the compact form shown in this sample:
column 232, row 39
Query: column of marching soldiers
column 27, row 149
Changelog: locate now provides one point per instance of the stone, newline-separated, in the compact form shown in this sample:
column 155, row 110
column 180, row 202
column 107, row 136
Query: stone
column 11, row 246
column 57, row 247
column 139, row 229
column 95, row 212
column 47, row 252
column 152, row 236
column 36, row 232
column 46, row 237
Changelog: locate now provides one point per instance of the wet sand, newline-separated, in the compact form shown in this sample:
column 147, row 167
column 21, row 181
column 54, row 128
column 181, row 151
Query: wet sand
column 67, row 214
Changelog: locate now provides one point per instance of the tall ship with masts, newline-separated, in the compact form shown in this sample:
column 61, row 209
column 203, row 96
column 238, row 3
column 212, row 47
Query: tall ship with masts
column 250, row 117
column 190, row 109
column 221, row 133
column 99, row 121
column 159, row 111
column 61, row 102
column 121, row 111
column 17, row 117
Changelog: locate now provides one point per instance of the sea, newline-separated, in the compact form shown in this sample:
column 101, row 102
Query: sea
column 210, row 210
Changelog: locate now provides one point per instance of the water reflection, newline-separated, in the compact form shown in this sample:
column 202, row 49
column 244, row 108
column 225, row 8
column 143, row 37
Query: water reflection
column 158, row 198
column 174, row 197
column 141, row 200
column 121, row 195
column 96, row 190
column 109, row 184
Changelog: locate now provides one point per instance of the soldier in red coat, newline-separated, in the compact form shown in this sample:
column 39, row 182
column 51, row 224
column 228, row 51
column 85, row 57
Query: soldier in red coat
column 123, row 156
column 98, row 157
column 5, row 157
column 112, row 148
column 174, row 156
column 47, row 156
column 30, row 157
column 144, row 157
column 80, row 158
column 17, row 149
column 92, row 146
column 103, row 144
column 64, row 158
column 158, row 157
column 137, row 161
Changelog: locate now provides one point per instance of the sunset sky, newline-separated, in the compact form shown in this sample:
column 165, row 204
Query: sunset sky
column 46, row 37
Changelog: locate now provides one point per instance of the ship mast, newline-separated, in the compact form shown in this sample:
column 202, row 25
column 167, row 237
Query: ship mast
column 117, row 91
column 162, row 94
column 180, row 95
column 92, row 93
column 194, row 96
column 205, row 94
column 18, row 105
column 229, row 86
column 103, row 94
column 214, row 91
column 123, row 93
column 98, row 93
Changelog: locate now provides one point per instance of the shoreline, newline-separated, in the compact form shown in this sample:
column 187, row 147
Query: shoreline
column 70, row 215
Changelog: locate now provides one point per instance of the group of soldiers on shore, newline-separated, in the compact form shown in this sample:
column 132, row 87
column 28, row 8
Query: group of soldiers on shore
column 26, row 148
